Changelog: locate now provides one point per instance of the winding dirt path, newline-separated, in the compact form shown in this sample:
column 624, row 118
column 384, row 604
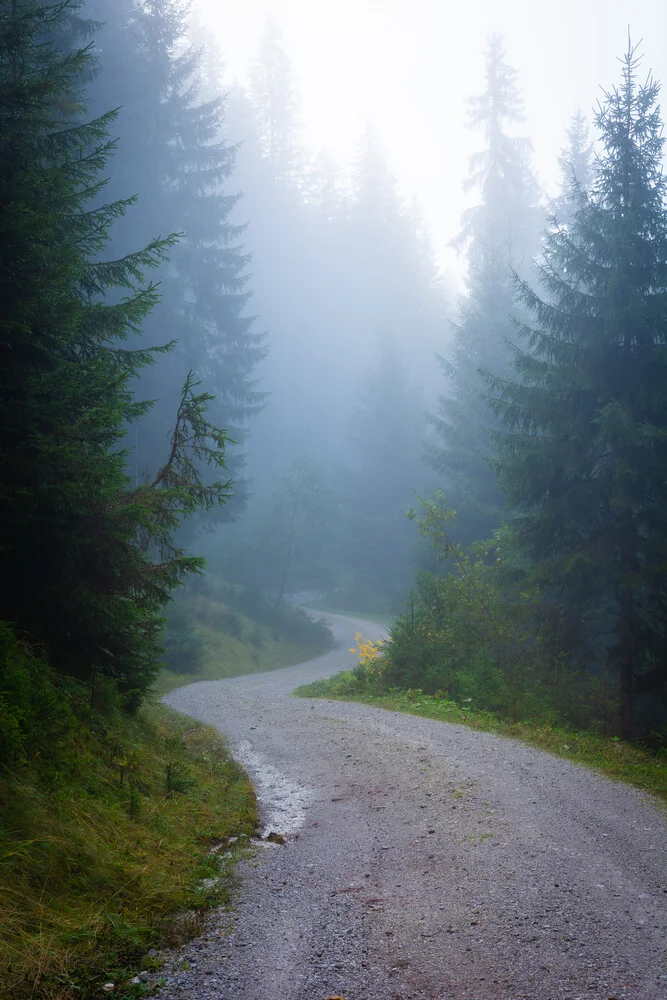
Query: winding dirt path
column 425, row 860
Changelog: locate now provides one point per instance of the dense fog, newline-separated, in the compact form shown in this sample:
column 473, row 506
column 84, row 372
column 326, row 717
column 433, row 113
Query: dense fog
column 349, row 318
column 333, row 337
column 419, row 300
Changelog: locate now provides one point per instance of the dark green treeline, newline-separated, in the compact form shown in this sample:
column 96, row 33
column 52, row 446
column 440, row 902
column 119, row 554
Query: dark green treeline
column 88, row 549
column 554, row 423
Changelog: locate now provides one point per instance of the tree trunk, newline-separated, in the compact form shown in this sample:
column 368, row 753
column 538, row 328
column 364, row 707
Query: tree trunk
column 626, row 657
column 627, row 626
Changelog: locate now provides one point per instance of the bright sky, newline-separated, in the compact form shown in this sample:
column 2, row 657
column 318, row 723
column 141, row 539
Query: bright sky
column 409, row 65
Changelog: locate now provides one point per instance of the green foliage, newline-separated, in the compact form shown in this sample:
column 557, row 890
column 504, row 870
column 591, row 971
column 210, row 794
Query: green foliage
column 482, row 634
column 90, row 556
column 173, row 151
column 584, row 453
column 500, row 233
column 98, row 858
column 386, row 430
column 216, row 629
column 642, row 766
column 469, row 637
column 288, row 541
column 35, row 715
column 577, row 171
column 184, row 649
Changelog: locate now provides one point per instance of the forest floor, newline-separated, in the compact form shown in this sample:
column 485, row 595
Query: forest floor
column 423, row 859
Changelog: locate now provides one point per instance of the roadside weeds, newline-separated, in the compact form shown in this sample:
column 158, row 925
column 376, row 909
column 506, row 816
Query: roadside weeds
column 634, row 764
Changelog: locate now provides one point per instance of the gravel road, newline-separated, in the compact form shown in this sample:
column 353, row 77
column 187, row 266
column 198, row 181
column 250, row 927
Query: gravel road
column 424, row 860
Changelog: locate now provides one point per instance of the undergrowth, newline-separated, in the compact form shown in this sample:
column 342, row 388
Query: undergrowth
column 217, row 630
column 107, row 819
column 633, row 763
column 106, row 847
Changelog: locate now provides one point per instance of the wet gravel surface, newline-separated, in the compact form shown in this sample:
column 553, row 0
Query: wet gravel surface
column 423, row 860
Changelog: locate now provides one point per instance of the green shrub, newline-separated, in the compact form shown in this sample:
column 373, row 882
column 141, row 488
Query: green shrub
column 35, row 714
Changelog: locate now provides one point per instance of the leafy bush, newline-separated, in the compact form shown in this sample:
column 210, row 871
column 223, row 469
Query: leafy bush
column 482, row 635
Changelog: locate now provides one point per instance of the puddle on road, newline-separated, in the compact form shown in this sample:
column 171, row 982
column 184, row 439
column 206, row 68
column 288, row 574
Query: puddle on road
column 282, row 803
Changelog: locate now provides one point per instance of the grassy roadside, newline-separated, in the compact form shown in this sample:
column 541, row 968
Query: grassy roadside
column 227, row 656
column 232, row 638
column 100, row 856
column 620, row 761
column 107, row 820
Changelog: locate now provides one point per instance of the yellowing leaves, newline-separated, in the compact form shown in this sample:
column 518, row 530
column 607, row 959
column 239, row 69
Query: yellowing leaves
column 369, row 652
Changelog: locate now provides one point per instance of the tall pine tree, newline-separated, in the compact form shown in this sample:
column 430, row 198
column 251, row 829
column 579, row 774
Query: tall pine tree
column 500, row 235
column 88, row 559
column 174, row 156
column 584, row 457
column 576, row 170
column 383, row 470
column 274, row 103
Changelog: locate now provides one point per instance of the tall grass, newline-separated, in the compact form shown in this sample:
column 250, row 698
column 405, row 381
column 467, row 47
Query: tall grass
column 98, row 861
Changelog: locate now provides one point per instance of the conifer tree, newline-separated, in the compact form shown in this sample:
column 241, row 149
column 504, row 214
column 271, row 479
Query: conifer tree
column 384, row 471
column 174, row 154
column 506, row 218
column 500, row 235
column 461, row 448
column 274, row 103
column 388, row 260
column 292, row 543
column 584, row 456
column 576, row 170
column 210, row 63
column 89, row 560
column 357, row 262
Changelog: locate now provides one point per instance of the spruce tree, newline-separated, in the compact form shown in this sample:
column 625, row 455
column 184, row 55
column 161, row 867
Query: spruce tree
column 89, row 560
column 357, row 262
column 576, row 163
column 173, row 153
column 384, row 469
column 388, row 259
column 461, row 448
column 499, row 234
column 506, row 218
column 274, row 103
column 584, row 456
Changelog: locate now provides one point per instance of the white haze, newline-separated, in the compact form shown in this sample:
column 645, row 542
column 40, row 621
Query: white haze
column 409, row 66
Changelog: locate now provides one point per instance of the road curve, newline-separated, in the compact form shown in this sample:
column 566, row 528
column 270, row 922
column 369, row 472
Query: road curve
column 424, row 860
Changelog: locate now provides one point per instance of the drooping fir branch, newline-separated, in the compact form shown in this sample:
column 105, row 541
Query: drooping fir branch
column 91, row 560
column 194, row 442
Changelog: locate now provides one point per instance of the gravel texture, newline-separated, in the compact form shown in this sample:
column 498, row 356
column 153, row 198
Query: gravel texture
column 423, row 860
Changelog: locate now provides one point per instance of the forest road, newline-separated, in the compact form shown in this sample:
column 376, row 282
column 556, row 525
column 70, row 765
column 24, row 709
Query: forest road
column 424, row 860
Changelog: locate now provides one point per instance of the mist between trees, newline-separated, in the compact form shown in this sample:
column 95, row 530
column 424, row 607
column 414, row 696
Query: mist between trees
column 213, row 343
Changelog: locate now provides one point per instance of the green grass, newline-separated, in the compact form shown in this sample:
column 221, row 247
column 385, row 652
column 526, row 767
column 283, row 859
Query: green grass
column 107, row 820
column 621, row 761
column 101, row 858
column 233, row 643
